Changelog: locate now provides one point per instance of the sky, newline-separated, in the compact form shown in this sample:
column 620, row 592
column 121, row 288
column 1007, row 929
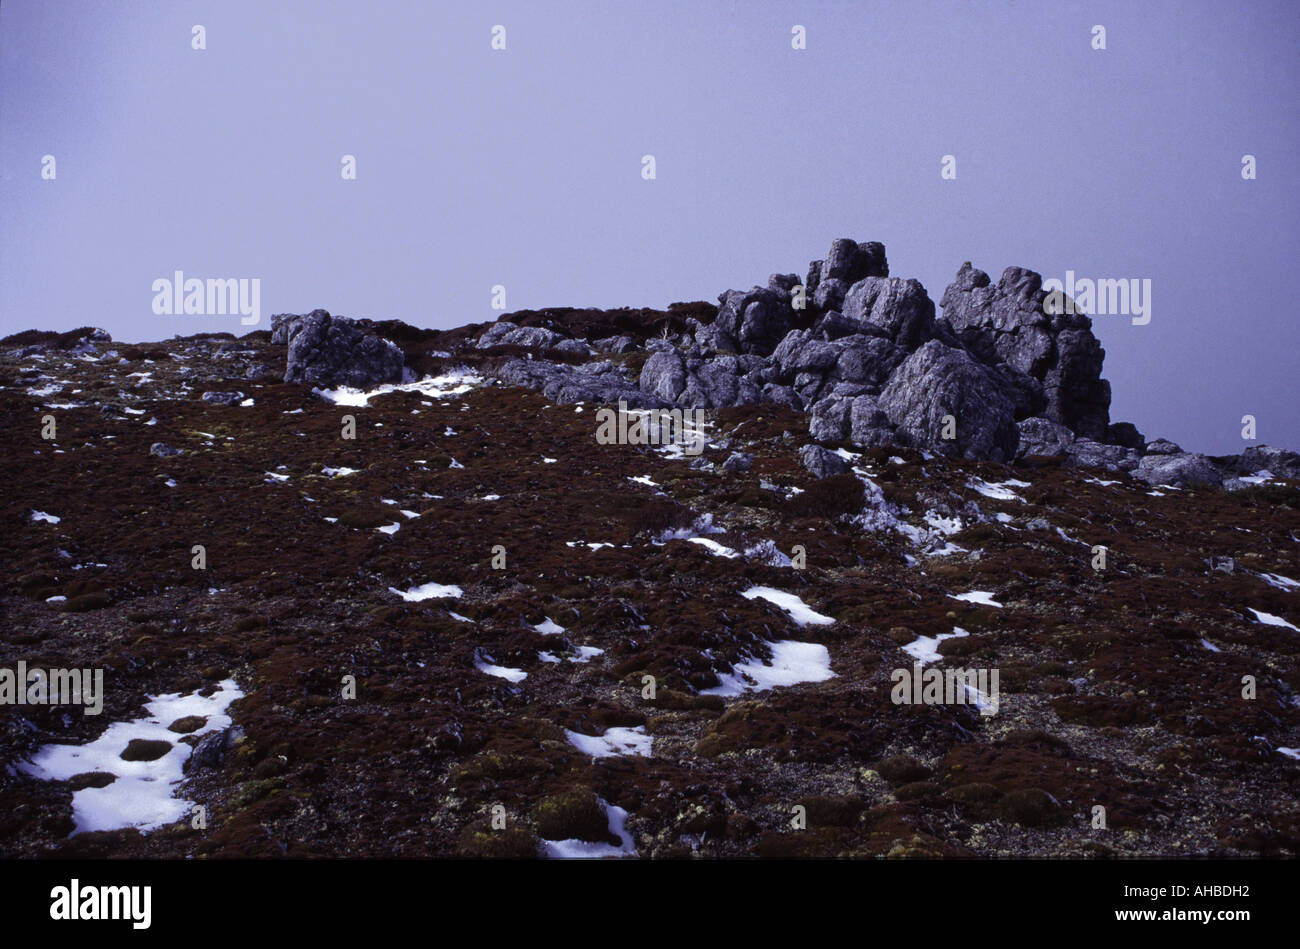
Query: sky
column 523, row 167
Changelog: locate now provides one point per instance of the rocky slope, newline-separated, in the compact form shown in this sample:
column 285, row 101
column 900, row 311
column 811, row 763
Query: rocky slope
column 474, row 629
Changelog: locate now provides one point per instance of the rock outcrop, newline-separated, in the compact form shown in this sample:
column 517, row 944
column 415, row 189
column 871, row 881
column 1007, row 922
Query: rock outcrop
column 1007, row 324
column 999, row 376
column 326, row 350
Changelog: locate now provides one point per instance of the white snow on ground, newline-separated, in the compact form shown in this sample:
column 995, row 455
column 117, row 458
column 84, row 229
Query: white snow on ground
column 428, row 591
column 142, row 794
column 1291, row 752
column 586, row 654
column 272, row 477
column 1263, row 476
column 483, row 664
column 1103, row 483
column 999, row 490
column 615, row 741
column 547, row 656
column 594, row 545
column 792, row 662
column 1209, row 645
column 549, row 627
column 703, row 525
column 338, row 472
column 454, row 383
column 879, row 514
column 926, row 648
column 1073, row 540
column 390, row 528
column 456, row 616
column 548, row 461
column 170, row 482
column 585, row 850
column 1156, row 494
column 944, row 525
column 713, row 547
column 1271, row 620
column 645, row 479
column 982, row 597
column 42, row 516
column 799, row 611
column 246, row 403
column 490, row 497
column 1279, row 581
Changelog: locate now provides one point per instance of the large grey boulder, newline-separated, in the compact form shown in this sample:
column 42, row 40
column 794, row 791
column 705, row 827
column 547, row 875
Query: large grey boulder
column 1041, row 436
column 1276, row 461
column 829, row 420
column 869, row 426
column 857, row 419
column 506, row 333
column 900, row 307
column 1162, row 446
column 333, row 350
column 757, row 319
column 822, row 462
column 1007, row 323
column 1126, row 434
column 1180, row 469
column 1086, row 453
column 615, row 345
column 851, row 261
column 696, row 382
column 937, row 381
column 856, row 358
column 602, row 381
column 830, row 294
column 280, row 327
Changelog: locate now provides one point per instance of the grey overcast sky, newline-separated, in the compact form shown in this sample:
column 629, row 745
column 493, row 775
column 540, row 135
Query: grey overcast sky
column 522, row 167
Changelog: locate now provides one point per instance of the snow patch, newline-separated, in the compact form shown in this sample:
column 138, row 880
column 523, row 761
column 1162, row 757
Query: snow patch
column 799, row 611
column 428, row 591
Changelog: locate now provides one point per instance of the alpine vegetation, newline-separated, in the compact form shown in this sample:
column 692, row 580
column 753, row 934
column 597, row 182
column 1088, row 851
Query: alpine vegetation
column 821, row 569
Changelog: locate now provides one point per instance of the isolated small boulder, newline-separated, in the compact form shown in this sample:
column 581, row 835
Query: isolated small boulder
column 222, row 398
column 822, row 462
